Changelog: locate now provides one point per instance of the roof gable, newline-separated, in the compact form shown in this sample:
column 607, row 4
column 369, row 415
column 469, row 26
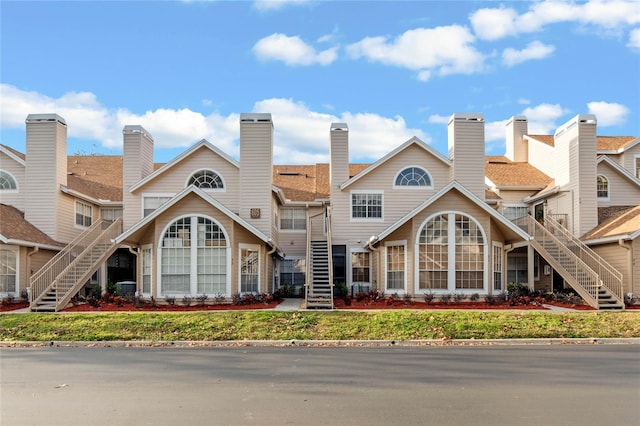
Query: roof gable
column 15, row 229
column 470, row 196
column 623, row 226
column 504, row 174
column 206, row 197
column 16, row 156
column 411, row 142
column 603, row 159
column 180, row 158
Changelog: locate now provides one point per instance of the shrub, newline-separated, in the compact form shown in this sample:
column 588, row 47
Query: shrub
column 96, row 291
column 407, row 298
column 219, row 298
column 202, row 299
column 459, row 297
column 93, row 301
column 490, row 299
column 342, row 289
column 501, row 298
column 445, row 298
column 236, row 299
column 24, row 294
column 112, row 288
column 517, row 289
column 171, row 300
column 154, row 302
column 186, row 300
column 428, row 297
column 474, row 297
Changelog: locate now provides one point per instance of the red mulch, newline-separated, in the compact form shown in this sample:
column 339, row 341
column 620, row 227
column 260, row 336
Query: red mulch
column 8, row 307
column 399, row 304
column 147, row 307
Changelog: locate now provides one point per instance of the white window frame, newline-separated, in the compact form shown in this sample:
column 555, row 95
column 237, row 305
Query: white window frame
column 514, row 206
column 193, row 289
column 636, row 166
column 350, row 277
column 153, row 195
column 451, row 256
column 146, row 270
column 15, row 182
column 206, row 169
column 16, row 251
column 281, row 217
column 498, row 264
column 118, row 211
column 82, row 205
column 292, row 258
column 413, row 187
column 389, row 244
column 366, row 219
column 608, row 182
column 243, row 246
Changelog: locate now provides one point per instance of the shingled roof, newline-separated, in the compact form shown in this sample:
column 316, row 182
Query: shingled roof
column 603, row 143
column 506, row 173
column 623, row 224
column 307, row 183
column 15, row 228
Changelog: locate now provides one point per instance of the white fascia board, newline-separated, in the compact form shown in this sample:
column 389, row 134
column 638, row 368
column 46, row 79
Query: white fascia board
column 534, row 198
column 607, row 240
column 12, row 156
column 414, row 140
column 617, row 167
column 179, row 159
column 96, row 201
column 489, row 183
column 627, row 147
column 453, row 185
column 25, row 243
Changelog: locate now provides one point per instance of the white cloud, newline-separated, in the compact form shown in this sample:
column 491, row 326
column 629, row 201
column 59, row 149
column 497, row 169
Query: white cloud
column 495, row 131
column 534, row 50
column 439, row 119
column 292, row 51
column 496, row 23
column 276, row 4
column 301, row 134
column 443, row 50
column 634, row 39
column 542, row 119
column 608, row 114
column 523, row 101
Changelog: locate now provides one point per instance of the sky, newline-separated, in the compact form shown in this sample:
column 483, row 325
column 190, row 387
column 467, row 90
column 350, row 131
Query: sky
column 391, row 70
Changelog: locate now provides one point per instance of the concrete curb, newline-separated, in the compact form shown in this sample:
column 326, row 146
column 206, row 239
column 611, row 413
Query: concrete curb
column 323, row 343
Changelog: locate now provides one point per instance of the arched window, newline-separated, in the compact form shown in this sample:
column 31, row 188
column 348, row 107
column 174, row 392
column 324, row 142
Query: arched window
column 452, row 254
column 603, row 187
column 206, row 179
column 194, row 256
column 7, row 181
column 413, row 177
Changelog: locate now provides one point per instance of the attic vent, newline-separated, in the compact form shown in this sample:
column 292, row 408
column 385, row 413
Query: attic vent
column 289, row 173
column 497, row 162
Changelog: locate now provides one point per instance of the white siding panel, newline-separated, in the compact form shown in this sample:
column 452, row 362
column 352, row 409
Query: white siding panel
column 621, row 191
column 17, row 170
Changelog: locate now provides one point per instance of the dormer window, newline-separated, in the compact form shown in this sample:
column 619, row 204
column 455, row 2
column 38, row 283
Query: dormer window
column 206, row 179
column 7, row 182
column 603, row 187
column 413, row 177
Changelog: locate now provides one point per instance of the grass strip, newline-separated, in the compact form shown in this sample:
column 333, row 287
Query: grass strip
column 269, row 325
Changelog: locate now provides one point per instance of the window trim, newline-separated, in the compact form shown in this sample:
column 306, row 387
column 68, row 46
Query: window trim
column 193, row 288
column 636, row 165
column 207, row 169
column 350, row 276
column 497, row 246
column 75, row 215
column 16, row 251
column 366, row 219
column 451, row 256
column 15, row 182
column 142, row 269
column 304, row 272
column 397, row 243
column 280, row 217
column 413, row 187
column 608, row 186
column 255, row 247
column 152, row 195
column 507, row 205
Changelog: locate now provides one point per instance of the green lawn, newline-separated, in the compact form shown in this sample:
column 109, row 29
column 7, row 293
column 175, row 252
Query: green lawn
column 336, row 325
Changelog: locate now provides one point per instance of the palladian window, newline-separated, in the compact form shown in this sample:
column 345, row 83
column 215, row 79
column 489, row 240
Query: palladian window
column 206, row 179
column 7, row 182
column 413, row 177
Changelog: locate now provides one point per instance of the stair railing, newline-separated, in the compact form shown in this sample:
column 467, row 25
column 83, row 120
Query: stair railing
column 610, row 277
column 49, row 274
column 327, row 219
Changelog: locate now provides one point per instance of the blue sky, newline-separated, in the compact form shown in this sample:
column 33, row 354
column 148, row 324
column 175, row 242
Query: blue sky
column 185, row 70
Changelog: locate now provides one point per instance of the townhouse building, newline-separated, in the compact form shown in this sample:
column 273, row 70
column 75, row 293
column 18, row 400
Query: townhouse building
column 556, row 211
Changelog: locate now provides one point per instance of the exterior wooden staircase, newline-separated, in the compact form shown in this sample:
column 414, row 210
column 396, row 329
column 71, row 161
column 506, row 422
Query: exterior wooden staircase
column 596, row 281
column 319, row 285
column 53, row 286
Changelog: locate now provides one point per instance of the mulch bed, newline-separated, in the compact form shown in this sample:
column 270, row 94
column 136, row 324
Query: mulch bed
column 147, row 307
column 14, row 306
column 399, row 304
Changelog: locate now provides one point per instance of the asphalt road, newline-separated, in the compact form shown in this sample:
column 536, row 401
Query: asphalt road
column 506, row 385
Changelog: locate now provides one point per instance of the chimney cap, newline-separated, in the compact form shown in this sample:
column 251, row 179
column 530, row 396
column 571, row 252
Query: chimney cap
column 339, row 126
column 136, row 128
column 40, row 118
column 255, row 117
column 467, row 116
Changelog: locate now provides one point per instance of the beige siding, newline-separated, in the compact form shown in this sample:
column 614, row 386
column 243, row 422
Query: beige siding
column 514, row 197
column 175, row 179
column 397, row 202
column 137, row 164
column 46, row 170
column 466, row 150
column 628, row 159
column 516, row 145
column 256, row 159
column 67, row 228
column 619, row 258
column 621, row 191
column 17, row 170
column 546, row 159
